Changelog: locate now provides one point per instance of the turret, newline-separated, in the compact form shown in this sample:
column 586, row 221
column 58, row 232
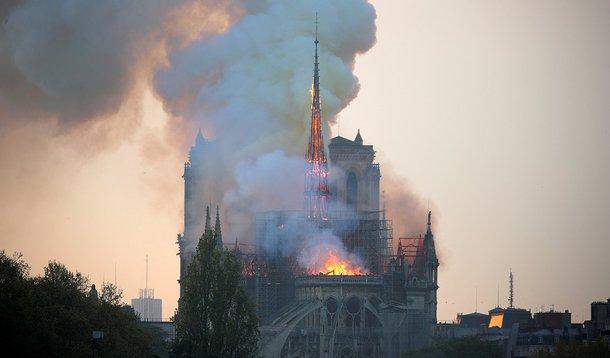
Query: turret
column 358, row 140
column 194, row 177
column 199, row 140
column 217, row 231
column 431, row 270
column 431, row 258
column 208, row 226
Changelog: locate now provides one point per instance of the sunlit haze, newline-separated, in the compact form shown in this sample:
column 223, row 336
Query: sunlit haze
column 494, row 115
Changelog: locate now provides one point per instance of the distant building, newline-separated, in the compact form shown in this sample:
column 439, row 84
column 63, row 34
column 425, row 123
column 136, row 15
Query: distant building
column 506, row 317
column 553, row 319
column 515, row 330
column 147, row 307
column 472, row 320
column 544, row 332
column 599, row 325
column 465, row 325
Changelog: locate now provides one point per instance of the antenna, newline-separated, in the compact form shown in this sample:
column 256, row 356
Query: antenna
column 511, row 296
column 498, row 299
column 146, row 272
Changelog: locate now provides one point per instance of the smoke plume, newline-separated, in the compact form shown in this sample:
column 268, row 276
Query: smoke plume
column 77, row 63
column 73, row 74
column 314, row 253
column 248, row 89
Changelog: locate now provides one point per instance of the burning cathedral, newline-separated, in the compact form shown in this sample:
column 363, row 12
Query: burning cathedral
column 342, row 290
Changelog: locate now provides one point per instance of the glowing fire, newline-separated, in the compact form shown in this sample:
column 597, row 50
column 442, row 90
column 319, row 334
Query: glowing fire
column 336, row 266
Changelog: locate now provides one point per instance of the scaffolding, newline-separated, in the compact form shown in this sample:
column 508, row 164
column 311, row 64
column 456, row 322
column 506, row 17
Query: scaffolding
column 412, row 253
column 365, row 234
column 270, row 266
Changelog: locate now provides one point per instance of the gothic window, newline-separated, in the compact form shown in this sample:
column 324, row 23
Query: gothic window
column 352, row 191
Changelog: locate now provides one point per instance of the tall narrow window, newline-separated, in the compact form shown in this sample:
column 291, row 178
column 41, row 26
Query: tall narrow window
column 352, row 191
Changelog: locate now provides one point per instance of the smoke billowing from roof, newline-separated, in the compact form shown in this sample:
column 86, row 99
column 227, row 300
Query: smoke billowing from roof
column 73, row 74
column 248, row 89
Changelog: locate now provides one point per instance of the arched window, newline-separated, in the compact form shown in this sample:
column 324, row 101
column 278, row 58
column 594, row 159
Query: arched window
column 352, row 191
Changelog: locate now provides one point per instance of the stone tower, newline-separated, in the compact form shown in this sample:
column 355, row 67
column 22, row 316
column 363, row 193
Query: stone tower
column 355, row 176
column 194, row 200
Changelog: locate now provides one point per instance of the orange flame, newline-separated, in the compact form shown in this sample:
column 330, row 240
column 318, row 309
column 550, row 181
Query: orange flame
column 337, row 266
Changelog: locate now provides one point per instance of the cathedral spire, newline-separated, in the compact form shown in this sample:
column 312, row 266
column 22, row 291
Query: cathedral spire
column 217, row 232
column 429, row 239
column 317, row 193
column 208, row 226
column 199, row 139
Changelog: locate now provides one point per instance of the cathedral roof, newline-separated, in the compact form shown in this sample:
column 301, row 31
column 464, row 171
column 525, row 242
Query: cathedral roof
column 338, row 140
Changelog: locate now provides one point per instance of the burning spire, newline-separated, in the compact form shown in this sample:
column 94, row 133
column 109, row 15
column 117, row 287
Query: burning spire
column 317, row 193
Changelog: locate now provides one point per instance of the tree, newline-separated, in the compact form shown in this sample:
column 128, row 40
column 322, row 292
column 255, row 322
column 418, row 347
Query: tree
column 54, row 315
column 16, row 301
column 459, row 347
column 111, row 294
column 215, row 317
column 596, row 349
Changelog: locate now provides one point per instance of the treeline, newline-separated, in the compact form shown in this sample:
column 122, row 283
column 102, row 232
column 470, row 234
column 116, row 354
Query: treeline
column 596, row 349
column 473, row 347
column 54, row 315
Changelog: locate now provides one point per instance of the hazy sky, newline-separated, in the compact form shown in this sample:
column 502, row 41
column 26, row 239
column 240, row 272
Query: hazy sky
column 495, row 113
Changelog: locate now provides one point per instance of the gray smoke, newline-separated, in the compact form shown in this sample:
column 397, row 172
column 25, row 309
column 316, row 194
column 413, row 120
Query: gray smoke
column 241, row 70
column 73, row 60
column 76, row 63
column 314, row 252
column 288, row 233
column 248, row 88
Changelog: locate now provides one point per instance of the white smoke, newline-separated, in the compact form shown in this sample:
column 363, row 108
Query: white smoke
column 260, row 185
column 249, row 89
column 314, row 252
column 289, row 234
